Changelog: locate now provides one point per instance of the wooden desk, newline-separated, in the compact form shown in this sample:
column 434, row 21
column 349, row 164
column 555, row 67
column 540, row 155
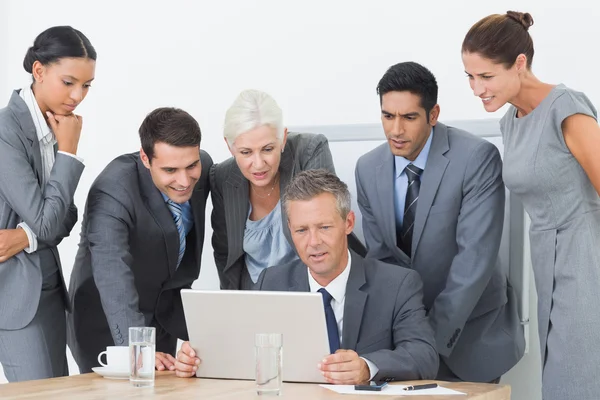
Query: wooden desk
column 168, row 386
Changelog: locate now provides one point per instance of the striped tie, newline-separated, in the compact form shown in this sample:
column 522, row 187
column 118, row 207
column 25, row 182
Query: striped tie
column 410, row 207
column 177, row 212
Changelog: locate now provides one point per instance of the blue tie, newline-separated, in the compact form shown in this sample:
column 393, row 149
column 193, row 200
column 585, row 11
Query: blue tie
column 177, row 211
column 332, row 328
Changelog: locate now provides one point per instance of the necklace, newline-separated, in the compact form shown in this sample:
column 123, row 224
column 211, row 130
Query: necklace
column 275, row 180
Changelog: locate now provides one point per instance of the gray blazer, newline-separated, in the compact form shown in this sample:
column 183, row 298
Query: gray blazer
column 48, row 211
column 457, row 232
column 231, row 203
column 126, row 272
column 384, row 317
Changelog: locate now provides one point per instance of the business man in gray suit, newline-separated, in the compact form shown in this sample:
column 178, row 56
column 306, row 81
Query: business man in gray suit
column 141, row 241
column 432, row 199
column 375, row 317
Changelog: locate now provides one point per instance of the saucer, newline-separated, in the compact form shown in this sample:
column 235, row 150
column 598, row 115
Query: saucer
column 111, row 373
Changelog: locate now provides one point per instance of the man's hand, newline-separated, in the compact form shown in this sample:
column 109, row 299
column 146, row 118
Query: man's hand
column 187, row 362
column 12, row 241
column 345, row 367
column 165, row 361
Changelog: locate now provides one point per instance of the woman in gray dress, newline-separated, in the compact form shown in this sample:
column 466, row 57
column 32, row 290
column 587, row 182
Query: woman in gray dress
column 551, row 144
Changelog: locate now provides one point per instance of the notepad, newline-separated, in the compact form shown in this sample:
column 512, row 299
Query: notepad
column 393, row 390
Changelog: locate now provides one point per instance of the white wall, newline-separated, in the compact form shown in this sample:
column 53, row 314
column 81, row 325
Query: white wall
column 320, row 59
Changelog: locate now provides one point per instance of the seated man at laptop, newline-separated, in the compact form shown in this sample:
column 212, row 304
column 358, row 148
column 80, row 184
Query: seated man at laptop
column 376, row 320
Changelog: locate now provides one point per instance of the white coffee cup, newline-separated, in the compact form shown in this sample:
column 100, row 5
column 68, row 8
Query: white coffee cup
column 117, row 358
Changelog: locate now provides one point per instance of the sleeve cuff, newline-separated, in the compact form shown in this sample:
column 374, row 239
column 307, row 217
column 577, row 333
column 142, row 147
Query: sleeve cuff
column 71, row 155
column 31, row 237
column 373, row 370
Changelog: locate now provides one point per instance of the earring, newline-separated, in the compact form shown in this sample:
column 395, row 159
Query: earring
column 282, row 151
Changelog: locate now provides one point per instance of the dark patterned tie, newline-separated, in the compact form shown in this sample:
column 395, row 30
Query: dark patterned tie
column 177, row 212
column 332, row 328
column 410, row 207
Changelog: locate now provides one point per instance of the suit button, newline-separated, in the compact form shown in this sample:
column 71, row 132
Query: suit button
column 119, row 336
column 449, row 345
column 120, row 341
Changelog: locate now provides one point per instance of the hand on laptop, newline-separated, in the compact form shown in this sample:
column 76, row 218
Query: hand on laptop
column 165, row 361
column 345, row 367
column 187, row 362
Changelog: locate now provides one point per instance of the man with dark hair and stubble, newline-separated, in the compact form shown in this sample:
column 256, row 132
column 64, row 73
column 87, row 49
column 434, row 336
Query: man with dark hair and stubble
column 432, row 199
column 141, row 241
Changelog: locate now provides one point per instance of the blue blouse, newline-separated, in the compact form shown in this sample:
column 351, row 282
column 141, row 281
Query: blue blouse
column 265, row 244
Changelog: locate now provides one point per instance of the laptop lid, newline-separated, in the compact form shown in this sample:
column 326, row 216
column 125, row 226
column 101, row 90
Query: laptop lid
column 222, row 326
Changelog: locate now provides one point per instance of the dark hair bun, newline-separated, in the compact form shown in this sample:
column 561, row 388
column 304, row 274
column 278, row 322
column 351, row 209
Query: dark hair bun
column 58, row 42
column 29, row 59
column 524, row 19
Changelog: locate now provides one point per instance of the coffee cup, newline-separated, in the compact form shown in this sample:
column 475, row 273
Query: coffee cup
column 117, row 358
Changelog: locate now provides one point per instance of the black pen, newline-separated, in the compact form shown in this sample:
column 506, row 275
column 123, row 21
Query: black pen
column 419, row 387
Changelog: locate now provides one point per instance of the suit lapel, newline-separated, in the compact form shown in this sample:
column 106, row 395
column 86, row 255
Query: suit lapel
column 300, row 278
column 286, row 171
column 236, row 202
column 160, row 211
column 431, row 179
column 21, row 112
column 385, row 188
column 197, row 201
column 355, row 303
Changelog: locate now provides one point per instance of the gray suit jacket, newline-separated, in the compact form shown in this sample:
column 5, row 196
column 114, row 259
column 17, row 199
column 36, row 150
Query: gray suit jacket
column 48, row 211
column 126, row 272
column 230, row 198
column 457, row 232
column 384, row 317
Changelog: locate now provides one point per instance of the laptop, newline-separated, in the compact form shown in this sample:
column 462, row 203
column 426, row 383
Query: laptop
column 222, row 326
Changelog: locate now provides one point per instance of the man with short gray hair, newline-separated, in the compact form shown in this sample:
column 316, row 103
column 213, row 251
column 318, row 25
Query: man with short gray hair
column 376, row 322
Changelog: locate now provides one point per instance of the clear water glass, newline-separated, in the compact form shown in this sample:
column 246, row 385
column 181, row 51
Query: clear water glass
column 142, row 345
column 269, row 363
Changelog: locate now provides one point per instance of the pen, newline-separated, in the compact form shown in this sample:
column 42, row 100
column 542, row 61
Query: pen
column 419, row 387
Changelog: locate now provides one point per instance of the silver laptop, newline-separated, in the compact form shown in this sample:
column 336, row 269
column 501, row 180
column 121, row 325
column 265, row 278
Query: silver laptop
column 222, row 326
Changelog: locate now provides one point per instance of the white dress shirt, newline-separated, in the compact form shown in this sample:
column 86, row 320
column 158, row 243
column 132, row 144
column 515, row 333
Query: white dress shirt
column 47, row 142
column 337, row 290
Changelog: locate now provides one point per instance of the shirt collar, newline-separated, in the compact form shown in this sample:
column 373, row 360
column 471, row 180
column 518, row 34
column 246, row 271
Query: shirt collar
column 337, row 287
column 44, row 133
column 165, row 197
column 420, row 161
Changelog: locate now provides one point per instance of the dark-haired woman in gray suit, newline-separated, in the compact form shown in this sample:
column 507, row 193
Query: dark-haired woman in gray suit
column 39, row 135
column 249, row 224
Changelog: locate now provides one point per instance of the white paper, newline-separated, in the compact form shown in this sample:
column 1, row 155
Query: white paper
column 393, row 390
